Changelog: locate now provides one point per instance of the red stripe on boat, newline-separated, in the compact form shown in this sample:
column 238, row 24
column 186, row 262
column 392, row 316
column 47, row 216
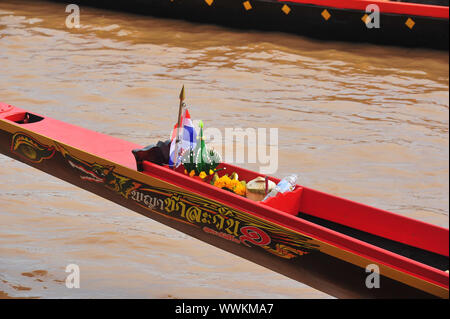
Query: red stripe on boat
column 403, row 8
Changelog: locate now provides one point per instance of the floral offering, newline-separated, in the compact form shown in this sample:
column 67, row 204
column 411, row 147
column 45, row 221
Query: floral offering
column 200, row 161
column 230, row 183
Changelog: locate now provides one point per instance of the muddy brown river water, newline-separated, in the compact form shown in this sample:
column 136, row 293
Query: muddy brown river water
column 364, row 122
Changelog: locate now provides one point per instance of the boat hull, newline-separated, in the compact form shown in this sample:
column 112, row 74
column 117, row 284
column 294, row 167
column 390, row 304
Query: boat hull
column 293, row 253
column 400, row 24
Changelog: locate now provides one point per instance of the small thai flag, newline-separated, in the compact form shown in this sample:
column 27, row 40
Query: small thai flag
column 188, row 138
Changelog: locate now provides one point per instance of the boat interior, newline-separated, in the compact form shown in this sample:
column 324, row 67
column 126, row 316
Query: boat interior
column 357, row 221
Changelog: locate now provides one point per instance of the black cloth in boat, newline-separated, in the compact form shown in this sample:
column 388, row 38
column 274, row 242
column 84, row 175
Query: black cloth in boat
column 158, row 154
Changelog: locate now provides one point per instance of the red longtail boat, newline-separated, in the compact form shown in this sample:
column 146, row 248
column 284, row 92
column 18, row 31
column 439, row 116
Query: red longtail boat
column 316, row 238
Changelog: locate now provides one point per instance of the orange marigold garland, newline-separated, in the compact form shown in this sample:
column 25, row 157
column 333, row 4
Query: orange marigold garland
column 232, row 184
